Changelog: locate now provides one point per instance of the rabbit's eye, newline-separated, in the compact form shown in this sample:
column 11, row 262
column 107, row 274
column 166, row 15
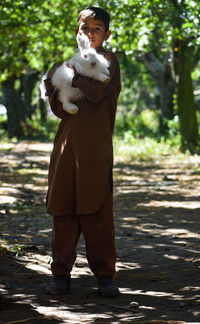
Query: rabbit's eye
column 85, row 56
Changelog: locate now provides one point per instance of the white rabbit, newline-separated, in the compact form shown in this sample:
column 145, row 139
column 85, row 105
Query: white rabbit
column 42, row 88
column 86, row 62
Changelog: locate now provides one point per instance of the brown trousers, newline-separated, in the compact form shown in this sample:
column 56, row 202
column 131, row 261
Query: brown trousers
column 98, row 232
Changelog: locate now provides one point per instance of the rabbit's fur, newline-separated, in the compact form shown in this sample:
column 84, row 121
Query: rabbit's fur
column 86, row 62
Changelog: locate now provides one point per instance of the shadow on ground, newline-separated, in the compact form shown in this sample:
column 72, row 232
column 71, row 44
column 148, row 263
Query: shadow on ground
column 157, row 209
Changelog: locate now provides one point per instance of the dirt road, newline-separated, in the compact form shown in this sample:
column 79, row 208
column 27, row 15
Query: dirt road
column 157, row 213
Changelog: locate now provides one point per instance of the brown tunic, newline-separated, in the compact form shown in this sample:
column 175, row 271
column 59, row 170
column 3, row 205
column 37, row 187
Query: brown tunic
column 80, row 170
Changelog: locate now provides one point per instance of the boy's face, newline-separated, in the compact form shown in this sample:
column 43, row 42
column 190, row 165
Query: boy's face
column 94, row 29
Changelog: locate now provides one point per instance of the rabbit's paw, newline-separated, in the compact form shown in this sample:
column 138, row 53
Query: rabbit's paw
column 104, row 78
column 70, row 108
column 107, row 72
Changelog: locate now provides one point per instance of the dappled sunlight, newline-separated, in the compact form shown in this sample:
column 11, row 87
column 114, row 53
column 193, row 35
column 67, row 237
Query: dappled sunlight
column 175, row 204
column 172, row 257
column 70, row 314
column 48, row 230
column 39, row 268
column 157, row 294
column 156, row 207
column 158, row 210
column 27, row 145
column 127, row 266
column 36, row 262
column 155, row 229
column 4, row 199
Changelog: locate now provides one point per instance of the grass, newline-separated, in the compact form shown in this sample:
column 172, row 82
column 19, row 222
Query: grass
column 129, row 148
column 140, row 142
column 14, row 249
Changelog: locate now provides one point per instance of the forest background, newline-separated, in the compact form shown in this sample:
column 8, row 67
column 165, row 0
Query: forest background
column 156, row 170
column 158, row 46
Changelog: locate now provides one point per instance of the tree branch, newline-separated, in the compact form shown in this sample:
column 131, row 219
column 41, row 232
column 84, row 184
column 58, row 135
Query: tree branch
column 152, row 64
column 196, row 57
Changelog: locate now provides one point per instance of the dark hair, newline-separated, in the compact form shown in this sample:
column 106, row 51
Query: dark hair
column 97, row 13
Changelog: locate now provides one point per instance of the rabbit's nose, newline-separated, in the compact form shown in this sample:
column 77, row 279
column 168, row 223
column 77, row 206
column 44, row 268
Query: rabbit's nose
column 93, row 64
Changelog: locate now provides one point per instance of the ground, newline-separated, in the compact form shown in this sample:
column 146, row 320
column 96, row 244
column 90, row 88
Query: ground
column 157, row 209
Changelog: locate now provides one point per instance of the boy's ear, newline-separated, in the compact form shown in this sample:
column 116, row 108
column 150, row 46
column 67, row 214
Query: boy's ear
column 107, row 34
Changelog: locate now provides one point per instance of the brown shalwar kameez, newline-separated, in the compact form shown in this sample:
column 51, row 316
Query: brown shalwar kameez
column 80, row 174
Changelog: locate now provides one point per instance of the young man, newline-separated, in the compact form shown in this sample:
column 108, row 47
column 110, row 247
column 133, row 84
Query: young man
column 80, row 171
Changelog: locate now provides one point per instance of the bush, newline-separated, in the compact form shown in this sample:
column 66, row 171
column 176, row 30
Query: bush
column 144, row 124
column 128, row 148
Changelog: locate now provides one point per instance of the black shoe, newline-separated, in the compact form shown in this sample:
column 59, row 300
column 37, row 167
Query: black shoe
column 107, row 287
column 58, row 285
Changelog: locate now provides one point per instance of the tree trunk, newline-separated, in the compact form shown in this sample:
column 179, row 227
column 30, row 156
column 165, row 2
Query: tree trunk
column 161, row 72
column 167, row 90
column 12, row 104
column 185, row 99
column 28, row 82
column 43, row 110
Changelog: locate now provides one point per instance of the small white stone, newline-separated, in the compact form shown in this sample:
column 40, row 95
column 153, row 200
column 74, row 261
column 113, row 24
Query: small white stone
column 134, row 304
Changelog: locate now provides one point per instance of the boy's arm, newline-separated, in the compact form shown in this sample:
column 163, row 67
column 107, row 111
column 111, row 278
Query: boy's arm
column 95, row 90
column 52, row 93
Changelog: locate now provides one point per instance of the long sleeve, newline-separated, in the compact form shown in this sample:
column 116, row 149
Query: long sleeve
column 52, row 93
column 80, row 172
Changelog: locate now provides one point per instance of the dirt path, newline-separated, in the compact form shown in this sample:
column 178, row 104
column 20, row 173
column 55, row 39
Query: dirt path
column 157, row 212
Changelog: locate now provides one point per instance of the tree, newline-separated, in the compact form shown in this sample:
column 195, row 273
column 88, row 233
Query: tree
column 33, row 34
column 185, row 41
column 161, row 72
column 164, row 35
column 149, row 30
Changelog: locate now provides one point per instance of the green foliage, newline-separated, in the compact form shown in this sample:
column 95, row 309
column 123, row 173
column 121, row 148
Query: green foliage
column 147, row 25
column 14, row 249
column 17, row 249
column 48, row 130
column 4, row 249
column 3, row 126
column 43, row 131
column 144, row 124
column 137, row 126
column 128, row 148
column 34, row 34
column 138, row 88
column 173, row 127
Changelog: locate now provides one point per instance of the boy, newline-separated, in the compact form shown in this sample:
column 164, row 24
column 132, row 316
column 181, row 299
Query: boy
column 80, row 172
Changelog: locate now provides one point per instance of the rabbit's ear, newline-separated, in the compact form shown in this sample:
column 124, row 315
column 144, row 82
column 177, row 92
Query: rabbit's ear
column 82, row 41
